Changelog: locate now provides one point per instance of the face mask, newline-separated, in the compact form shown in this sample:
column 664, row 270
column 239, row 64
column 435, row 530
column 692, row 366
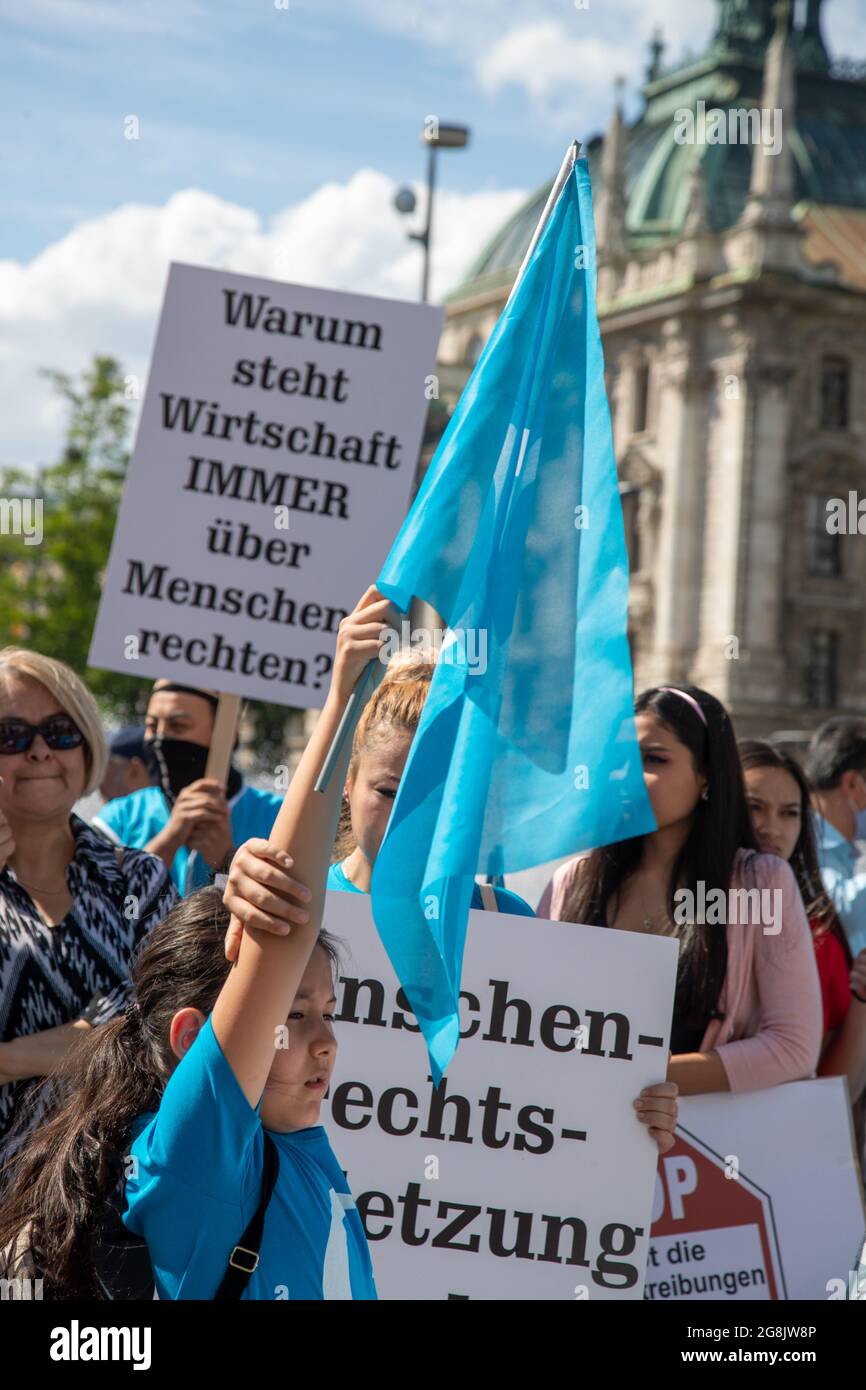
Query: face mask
column 860, row 825
column 173, row 763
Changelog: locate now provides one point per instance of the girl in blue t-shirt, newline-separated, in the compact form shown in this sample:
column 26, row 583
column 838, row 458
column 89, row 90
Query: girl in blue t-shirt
column 205, row 1060
column 307, row 819
column 152, row 1099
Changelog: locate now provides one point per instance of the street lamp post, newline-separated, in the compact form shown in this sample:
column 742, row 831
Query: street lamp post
column 435, row 137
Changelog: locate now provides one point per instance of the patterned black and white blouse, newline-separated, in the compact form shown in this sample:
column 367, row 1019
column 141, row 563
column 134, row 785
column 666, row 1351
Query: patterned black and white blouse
column 79, row 968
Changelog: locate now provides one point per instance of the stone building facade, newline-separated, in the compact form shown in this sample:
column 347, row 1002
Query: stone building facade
column 732, row 304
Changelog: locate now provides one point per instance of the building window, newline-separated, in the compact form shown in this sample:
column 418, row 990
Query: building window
column 641, row 398
column 823, row 550
column 474, row 349
column 819, row 669
column 835, row 376
column 629, row 495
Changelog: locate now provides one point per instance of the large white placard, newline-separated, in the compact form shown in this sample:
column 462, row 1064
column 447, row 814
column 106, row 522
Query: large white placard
column 272, row 469
column 527, row 1175
column 760, row 1199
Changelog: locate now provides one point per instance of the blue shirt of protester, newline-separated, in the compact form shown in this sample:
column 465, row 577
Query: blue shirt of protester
column 845, row 887
column 196, row 1181
column 135, row 819
column 506, row 901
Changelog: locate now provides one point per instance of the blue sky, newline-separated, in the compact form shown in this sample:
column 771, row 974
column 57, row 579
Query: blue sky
column 261, row 105
column 271, row 140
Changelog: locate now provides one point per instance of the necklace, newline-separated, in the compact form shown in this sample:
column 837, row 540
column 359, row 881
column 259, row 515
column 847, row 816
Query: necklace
column 36, row 889
column 660, row 924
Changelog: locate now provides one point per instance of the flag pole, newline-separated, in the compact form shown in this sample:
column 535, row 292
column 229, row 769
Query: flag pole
column 565, row 171
column 362, row 690
column 346, row 727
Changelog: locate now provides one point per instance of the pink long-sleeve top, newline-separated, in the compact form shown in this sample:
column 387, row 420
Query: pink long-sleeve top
column 771, row 1026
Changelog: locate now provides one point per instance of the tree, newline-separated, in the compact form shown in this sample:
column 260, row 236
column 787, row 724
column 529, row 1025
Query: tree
column 49, row 592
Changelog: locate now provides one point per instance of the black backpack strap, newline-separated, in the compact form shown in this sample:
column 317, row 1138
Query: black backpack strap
column 245, row 1256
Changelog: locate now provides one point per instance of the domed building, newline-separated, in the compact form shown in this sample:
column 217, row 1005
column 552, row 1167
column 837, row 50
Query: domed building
column 731, row 231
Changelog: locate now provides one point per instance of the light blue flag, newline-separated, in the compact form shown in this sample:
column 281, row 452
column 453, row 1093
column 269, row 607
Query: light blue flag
column 526, row 749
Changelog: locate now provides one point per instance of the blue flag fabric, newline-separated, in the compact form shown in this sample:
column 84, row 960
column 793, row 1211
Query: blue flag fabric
column 526, row 750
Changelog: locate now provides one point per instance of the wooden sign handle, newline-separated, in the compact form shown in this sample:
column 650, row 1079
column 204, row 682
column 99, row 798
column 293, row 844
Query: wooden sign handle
column 222, row 742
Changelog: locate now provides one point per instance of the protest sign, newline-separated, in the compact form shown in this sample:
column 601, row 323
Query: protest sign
column 525, row 1174
column 272, row 467
column 759, row 1199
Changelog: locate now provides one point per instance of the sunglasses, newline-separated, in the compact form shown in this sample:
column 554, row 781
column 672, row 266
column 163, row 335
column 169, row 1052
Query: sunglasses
column 59, row 732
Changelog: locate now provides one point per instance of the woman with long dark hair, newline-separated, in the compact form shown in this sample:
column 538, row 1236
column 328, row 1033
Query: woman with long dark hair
column 778, row 796
column 747, row 1012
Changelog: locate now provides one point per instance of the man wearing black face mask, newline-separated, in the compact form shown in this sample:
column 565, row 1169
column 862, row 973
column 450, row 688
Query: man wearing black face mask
column 192, row 822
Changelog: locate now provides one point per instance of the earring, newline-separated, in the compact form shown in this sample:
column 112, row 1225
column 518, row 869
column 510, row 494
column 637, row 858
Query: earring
column 705, row 794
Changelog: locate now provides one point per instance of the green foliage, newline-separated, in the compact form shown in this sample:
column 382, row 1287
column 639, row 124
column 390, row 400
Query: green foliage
column 49, row 593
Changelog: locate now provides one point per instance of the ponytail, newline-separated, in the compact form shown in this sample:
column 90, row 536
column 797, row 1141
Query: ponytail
column 396, row 704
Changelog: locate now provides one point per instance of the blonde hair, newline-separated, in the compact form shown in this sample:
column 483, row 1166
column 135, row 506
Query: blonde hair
column 73, row 697
column 395, row 706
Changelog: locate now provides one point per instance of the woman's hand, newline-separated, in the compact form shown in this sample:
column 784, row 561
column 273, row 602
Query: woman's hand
column 656, row 1107
column 261, row 893
column 360, row 639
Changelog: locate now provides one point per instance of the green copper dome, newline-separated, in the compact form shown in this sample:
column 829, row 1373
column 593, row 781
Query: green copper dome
column 828, row 141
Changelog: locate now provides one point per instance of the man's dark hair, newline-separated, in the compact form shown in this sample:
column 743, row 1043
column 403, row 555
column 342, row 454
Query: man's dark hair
column 839, row 746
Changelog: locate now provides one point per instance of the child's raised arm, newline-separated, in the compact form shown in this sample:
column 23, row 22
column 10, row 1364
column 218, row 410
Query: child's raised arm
column 256, row 998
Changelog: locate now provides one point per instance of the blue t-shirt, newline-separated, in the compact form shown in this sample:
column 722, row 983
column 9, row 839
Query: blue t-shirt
column 197, row 1181
column 506, row 900
column 845, row 887
column 134, row 820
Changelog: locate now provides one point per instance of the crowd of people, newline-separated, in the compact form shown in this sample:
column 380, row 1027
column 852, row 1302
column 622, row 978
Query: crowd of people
column 152, row 1137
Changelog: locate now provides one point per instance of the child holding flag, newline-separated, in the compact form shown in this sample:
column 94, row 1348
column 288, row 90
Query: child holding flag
column 380, row 749
column 210, row 1070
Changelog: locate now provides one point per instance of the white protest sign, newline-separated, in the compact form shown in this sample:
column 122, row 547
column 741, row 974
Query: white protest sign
column 527, row 1174
column 759, row 1199
column 272, row 469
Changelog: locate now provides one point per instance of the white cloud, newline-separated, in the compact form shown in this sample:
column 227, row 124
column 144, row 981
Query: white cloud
column 552, row 48
column 544, row 59
column 844, row 27
column 541, row 44
column 99, row 288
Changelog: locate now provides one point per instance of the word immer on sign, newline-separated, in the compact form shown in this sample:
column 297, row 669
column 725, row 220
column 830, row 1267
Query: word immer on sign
column 525, row 1174
column 272, row 468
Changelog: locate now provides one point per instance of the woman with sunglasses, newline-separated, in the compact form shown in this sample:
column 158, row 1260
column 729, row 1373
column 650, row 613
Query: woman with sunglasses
column 73, row 908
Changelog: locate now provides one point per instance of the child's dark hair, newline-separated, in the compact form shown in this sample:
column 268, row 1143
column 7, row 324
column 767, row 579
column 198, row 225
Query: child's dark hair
column 822, row 916
column 721, row 826
column 61, row 1179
